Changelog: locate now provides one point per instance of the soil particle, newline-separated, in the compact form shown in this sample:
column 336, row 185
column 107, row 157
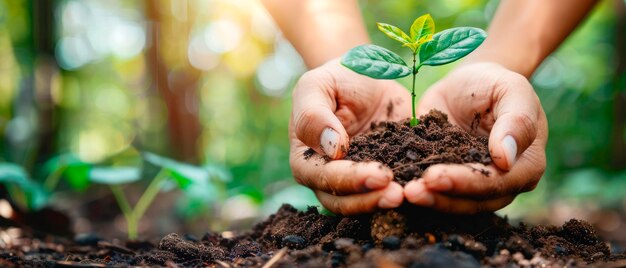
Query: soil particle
column 188, row 250
column 389, row 223
column 391, row 242
column 308, row 153
column 294, row 242
column 87, row 239
column 389, row 109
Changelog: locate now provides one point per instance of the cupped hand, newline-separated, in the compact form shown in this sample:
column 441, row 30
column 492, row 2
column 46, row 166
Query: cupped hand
column 330, row 104
column 510, row 114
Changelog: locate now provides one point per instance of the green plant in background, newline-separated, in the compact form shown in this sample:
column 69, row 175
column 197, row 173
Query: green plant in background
column 32, row 190
column 203, row 185
column 23, row 190
column 427, row 48
column 191, row 179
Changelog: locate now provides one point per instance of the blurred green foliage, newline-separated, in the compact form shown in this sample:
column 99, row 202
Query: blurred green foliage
column 110, row 77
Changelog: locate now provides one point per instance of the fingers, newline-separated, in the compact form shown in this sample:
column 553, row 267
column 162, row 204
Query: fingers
column 473, row 180
column 417, row 193
column 387, row 198
column 314, row 121
column 339, row 177
column 517, row 112
column 480, row 182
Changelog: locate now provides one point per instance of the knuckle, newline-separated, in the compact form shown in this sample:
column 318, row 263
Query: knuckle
column 324, row 183
column 337, row 206
column 303, row 121
column 528, row 126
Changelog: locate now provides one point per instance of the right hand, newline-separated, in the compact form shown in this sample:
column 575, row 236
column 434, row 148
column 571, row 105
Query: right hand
column 330, row 104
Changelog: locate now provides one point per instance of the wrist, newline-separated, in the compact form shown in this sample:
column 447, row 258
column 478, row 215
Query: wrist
column 520, row 57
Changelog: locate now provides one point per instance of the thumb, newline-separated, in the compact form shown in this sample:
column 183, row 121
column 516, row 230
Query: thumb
column 314, row 121
column 516, row 111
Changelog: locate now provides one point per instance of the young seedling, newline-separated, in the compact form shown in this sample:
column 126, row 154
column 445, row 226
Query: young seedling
column 187, row 177
column 427, row 47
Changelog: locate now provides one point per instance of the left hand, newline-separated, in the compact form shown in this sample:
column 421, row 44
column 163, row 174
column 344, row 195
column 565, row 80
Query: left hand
column 510, row 114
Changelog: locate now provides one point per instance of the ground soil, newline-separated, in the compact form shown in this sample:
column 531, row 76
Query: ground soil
column 405, row 237
column 292, row 238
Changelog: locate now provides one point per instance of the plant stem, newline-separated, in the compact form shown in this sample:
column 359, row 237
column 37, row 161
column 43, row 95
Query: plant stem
column 134, row 215
column 148, row 196
column 414, row 71
column 132, row 223
column 127, row 211
column 51, row 182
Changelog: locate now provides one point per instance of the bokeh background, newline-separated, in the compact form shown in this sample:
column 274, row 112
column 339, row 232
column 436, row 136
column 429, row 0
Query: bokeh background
column 208, row 82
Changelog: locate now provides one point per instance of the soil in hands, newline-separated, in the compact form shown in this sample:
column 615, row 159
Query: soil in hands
column 408, row 151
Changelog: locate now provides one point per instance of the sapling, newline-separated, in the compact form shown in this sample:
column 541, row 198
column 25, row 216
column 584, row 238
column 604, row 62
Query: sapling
column 427, row 47
column 185, row 176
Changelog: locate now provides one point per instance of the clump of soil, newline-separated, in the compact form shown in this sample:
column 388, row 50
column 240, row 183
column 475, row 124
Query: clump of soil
column 408, row 151
column 292, row 238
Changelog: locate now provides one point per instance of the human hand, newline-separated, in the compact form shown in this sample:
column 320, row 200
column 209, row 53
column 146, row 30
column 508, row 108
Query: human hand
column 510, row 114
column 331, row 104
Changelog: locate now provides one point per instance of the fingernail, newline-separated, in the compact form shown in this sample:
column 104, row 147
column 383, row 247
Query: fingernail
column 421, row 196
column 440, row 183
column 329, row 142
column 375, row 183
column 392, row 197
column 510, row 149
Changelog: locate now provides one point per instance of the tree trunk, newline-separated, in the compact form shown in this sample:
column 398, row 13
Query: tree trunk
column 177, row 85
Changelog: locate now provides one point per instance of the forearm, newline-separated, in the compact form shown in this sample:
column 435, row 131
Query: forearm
column 319, row 29
column 524, row 32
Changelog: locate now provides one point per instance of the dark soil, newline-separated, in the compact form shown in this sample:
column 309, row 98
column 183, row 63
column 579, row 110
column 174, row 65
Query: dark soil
column 292, row 238
column 408, row 151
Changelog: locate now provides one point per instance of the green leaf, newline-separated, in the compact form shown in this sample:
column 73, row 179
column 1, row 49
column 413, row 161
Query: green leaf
column 394, row 32
column 77, row 176
column 73, row 170
column 183, row 173
column 376, row 62
column 60, row 161
column 183, row 181
column 12, row 173
column 422, row 27
column 450, row 45
column 114, row 175
column 36, row 196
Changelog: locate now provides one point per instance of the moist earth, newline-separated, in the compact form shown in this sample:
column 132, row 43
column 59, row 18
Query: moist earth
column 408, row 151
column 292, row 238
